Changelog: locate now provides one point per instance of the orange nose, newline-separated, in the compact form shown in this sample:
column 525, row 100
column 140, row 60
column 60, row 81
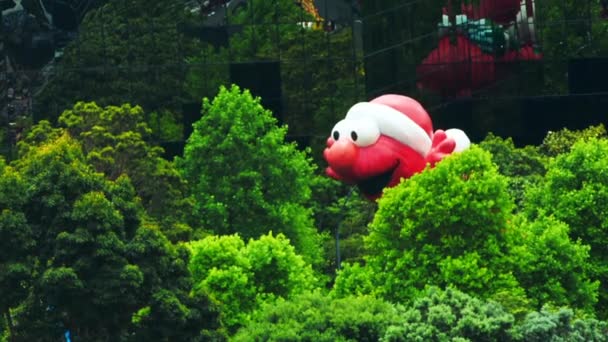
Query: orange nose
column 341, row 154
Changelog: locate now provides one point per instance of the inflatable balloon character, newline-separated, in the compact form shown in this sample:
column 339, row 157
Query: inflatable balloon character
column 474, row 44
column 389, row 138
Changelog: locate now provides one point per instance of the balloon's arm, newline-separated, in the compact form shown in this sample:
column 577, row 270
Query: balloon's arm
column 442, row 146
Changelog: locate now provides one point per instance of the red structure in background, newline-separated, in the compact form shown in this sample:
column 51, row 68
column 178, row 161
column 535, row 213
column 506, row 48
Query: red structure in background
column 455, row 68
column 461, row 63
column 499, row 11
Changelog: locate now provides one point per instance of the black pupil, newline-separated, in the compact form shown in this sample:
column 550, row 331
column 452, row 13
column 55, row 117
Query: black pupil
column 353, row 135
column 336, row 135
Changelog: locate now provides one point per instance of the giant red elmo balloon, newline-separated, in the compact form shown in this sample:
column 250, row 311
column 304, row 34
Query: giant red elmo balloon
column 382, row 141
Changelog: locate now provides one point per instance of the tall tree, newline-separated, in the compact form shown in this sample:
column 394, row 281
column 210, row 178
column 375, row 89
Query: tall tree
column 93, row 270
column 116, row 141
column 316, row 317
column 17, row 242
column 453, row 226
column 524, row 167
column 275, row 30
column 241, row 277
column 444, row 226
column 451, row 315
column 244, row 177
column 574, row 192
column 125, row 52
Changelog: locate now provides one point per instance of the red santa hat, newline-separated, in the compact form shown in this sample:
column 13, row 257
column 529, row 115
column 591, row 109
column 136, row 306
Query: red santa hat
column 399, row 117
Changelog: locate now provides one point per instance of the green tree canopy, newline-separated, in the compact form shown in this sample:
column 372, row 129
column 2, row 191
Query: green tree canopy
column 273, row 30
column 550, row 266
column 314, row 317
column 116, row 141
column 244, row 177
column 444, row 226
column 125, row 52
column 562, row 141
column 97, row 262
column 574, row 191
column 17, row 242
column 523, row 166
column 560, row 325
column 240, row 277
column 452, row 315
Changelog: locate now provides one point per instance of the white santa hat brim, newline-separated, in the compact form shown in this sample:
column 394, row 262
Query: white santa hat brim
column 394, row 124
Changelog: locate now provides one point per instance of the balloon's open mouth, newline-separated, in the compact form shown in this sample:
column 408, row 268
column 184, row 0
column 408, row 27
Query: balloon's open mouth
column 372, row 187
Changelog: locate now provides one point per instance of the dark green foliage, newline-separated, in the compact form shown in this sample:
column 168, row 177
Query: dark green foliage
column 338, row 207
column 126, row 52
column 165, row 127
column 548, row 326
column 96, row 262
column 115, row 141
column 337, row 74
column 571, row 29
column 523, row 166
column 574, row 191
column 16, row 241
column 451, row 315
column 314, row 317
column 562, row 141
column 312, row 101
column 270, row 28
column 244, row 177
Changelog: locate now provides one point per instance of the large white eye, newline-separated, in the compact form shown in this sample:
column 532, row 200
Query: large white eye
column 340, row 130
column 363, row 132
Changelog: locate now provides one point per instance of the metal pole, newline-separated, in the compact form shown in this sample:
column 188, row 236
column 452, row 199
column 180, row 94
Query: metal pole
column 338, row 260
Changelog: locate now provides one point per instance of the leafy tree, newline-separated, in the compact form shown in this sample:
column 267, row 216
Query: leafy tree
column 270, row 27
column 342, row 208
column 550, row 266
column 523, row 166
column 314, row 102
column 562, row 141
column 240, row 277
column 175, row 311
column 125, row 52
column 444, row 226
column 97, row 262
column 115, row 141
column 451, row 315
column 208, row 69
column 353, row 279
column 271, row 30
column 16, row 244
column 315, row 317
column 560, row 325
column 574, row 192
column 244, row 177
column 220, row 270
column 569, row 29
